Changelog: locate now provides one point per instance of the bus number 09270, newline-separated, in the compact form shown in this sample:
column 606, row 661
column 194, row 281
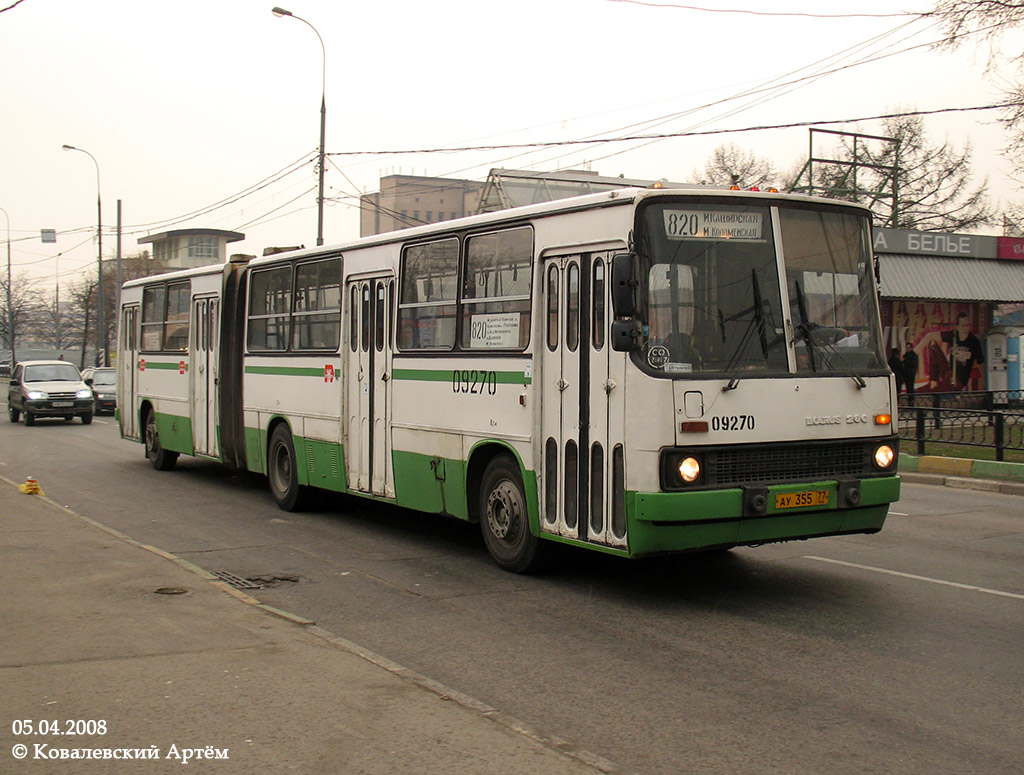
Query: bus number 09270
column 473, row 381
column 735, row 422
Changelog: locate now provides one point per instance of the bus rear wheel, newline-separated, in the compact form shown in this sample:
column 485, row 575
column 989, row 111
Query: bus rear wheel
column 282, row 472
column 504, row 518
column 160, row 458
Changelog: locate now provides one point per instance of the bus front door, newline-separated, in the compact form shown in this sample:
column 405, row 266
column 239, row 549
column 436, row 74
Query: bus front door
column 582, row 414
column 368, row 385
column 127, row 372
column 203, row 370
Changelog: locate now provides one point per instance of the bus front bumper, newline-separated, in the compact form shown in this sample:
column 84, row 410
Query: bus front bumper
column 706, row 519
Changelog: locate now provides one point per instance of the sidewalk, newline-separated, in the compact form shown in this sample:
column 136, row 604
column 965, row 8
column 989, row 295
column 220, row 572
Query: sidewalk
column 100, row 630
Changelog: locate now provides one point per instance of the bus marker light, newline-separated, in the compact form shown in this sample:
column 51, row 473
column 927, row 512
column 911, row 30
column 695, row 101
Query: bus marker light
column 883, row 419
column 694, row 427
column 522, row 399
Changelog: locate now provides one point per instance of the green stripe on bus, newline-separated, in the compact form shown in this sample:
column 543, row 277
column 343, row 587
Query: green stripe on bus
column 175, row 366
column 446, row 375
column 285, row 371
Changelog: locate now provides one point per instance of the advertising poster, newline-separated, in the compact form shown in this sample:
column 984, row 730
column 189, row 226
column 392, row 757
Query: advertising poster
column 941, row 342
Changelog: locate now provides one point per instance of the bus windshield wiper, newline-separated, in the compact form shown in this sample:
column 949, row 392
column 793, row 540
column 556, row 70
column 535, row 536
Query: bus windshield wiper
column 814, row 334
column 756, row 320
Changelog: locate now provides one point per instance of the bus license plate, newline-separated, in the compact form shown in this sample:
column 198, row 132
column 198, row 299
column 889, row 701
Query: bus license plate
column 793, row 500
column 59, row 404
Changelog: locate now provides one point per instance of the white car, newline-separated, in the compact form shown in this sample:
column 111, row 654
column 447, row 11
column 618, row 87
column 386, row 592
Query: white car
column 48, row 389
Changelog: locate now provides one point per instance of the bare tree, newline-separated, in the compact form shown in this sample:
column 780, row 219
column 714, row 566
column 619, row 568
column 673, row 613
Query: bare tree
column 83, row 298
column 934, row 191
column 986, row 22
column 730, row 165
column 82, row 295
column 22, row 312
column 55, row 322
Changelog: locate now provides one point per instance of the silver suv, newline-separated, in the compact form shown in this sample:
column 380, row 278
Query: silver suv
column 48, row 389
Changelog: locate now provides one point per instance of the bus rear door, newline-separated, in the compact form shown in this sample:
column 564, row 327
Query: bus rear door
column 127, row 372
column 203, row 369
column 368, row 386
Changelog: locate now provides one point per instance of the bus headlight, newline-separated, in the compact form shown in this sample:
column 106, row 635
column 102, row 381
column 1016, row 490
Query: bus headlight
column 884, row 456
column 689, row 469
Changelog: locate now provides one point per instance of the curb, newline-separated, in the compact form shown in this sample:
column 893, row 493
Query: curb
column 962, row 482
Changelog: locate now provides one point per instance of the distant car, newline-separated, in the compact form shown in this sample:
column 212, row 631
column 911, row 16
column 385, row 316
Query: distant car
column 104, row 388
column 48, row 389
column 5, row 368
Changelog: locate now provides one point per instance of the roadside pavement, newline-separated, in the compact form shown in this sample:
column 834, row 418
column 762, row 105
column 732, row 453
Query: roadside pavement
column 111, row 652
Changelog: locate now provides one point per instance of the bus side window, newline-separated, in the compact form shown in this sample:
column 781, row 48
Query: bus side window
column 364, row 319
column 597, row 295
column 353, row 318
column 572, row 311
column 427, row 295
column 552, row 308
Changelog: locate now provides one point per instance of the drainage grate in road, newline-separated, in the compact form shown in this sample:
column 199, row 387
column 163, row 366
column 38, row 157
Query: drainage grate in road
column 236, row 581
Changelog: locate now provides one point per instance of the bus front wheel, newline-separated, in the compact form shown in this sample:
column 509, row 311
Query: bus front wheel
column 282, row 472
column 504, row 519
column 160, row 458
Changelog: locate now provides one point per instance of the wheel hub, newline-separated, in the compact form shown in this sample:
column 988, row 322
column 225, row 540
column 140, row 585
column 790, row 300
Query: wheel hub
column 504, row 510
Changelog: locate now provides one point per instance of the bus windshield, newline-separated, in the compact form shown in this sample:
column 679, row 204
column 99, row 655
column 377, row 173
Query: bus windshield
column 713, row 300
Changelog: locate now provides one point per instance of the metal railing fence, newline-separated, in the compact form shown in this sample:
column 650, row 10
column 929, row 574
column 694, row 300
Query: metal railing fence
column 1000, row 429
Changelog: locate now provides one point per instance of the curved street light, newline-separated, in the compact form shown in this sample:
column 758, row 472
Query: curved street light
column 281, row 12
column 101, row 333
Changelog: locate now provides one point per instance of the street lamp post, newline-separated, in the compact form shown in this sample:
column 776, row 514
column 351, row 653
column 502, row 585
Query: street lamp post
column 279, row 12
column 101, row 335
column 10, row 309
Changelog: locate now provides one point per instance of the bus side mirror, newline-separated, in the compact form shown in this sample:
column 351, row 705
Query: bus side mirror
column 623, row 286
column 626, row 335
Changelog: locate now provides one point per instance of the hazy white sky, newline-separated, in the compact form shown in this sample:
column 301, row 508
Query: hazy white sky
column 189, row 104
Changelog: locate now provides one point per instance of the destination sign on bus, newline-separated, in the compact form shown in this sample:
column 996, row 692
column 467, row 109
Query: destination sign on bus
column 500, row 330
column 713, row 225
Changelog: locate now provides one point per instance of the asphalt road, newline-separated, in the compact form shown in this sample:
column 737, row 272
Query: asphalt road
column 894, row 653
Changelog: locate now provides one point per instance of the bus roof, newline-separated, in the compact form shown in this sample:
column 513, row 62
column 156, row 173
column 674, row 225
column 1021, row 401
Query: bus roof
column 177, row 274
column 617, row 197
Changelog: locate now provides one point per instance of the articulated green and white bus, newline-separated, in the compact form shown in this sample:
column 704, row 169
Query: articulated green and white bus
column 638, row 371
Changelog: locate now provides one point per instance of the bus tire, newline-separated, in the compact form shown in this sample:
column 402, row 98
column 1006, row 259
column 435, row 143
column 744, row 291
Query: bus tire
column 160, row 458
column 504, row 518
column 283, row 474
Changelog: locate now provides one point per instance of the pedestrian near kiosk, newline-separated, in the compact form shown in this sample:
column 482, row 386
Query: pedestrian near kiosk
column 910, row 362
column 897, row 368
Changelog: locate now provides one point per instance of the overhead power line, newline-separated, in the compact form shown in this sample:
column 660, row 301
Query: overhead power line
column 665, row 135
column 770, row 13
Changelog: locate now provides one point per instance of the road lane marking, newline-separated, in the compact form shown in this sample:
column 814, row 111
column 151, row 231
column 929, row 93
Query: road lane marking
column 898, row 514
column 956, row 584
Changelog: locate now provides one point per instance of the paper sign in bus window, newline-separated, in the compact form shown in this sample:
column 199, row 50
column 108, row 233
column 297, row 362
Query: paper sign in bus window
column 496, row 331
